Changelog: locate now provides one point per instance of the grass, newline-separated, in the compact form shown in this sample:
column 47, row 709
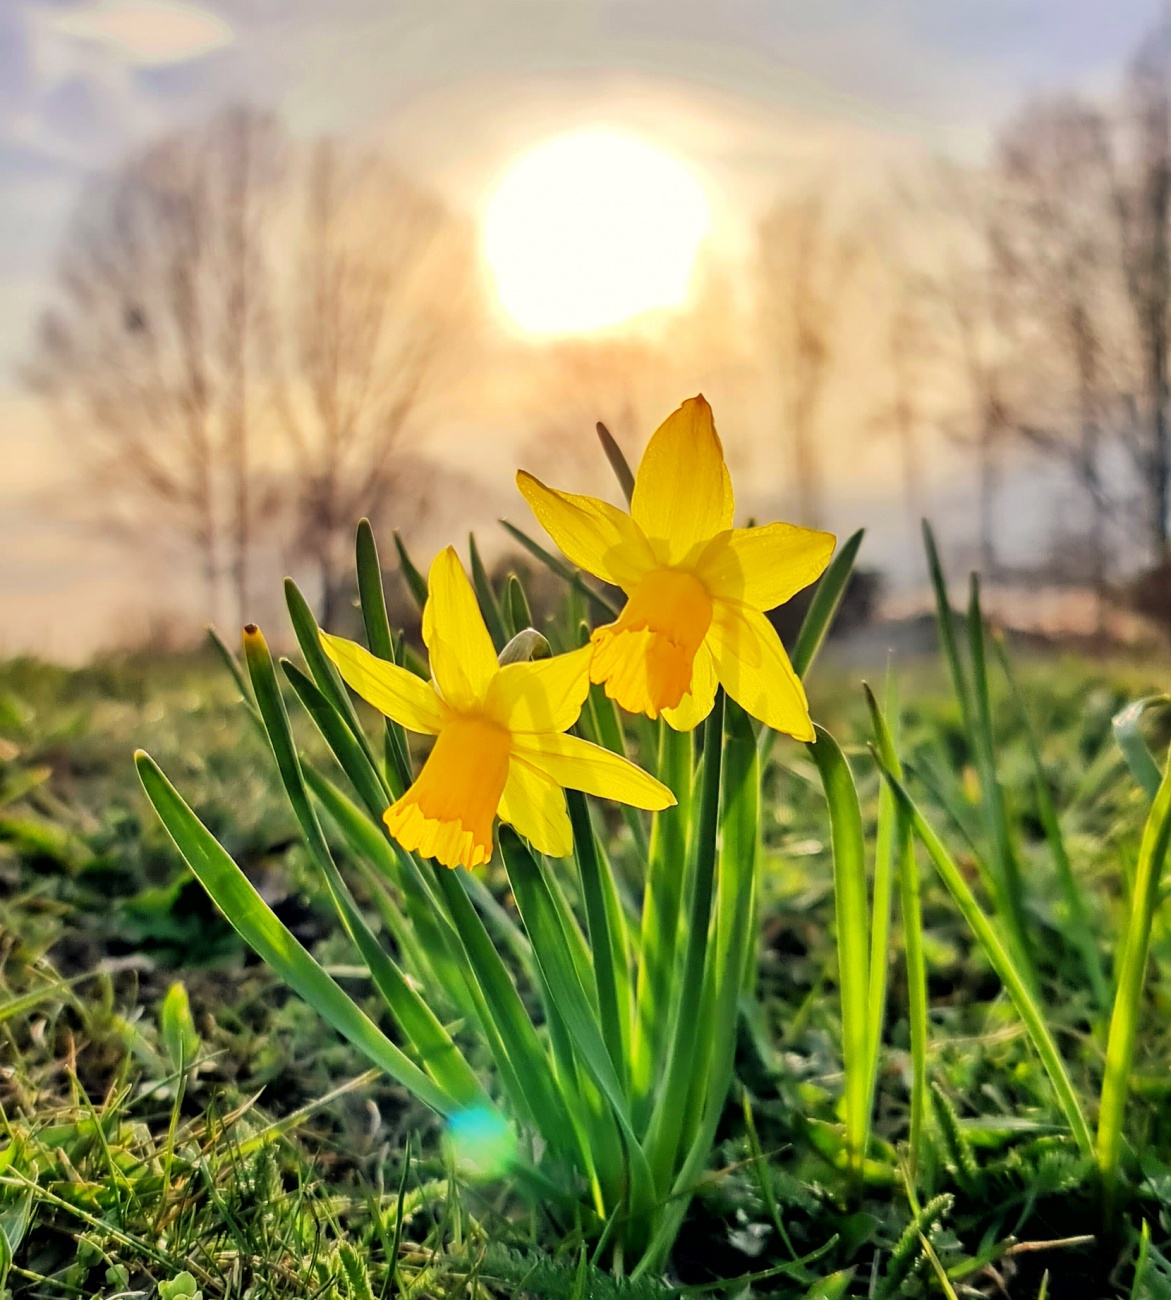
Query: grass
column 249, row 1146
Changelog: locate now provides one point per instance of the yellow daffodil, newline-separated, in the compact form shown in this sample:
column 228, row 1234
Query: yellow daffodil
column 696, row 587
column 499, row 742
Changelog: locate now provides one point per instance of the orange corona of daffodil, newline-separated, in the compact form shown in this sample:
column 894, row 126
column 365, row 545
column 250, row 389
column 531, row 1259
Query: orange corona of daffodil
column 696, row 587
column 499, row 742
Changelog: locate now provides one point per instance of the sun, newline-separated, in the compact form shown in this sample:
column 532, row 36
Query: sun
column 589, row 230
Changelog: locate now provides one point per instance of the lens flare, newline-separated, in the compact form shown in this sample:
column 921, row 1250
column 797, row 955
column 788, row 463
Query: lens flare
column 482, row 1143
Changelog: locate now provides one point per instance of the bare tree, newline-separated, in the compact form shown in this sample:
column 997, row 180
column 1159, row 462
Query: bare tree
column 805, row 265
column 1059, row 247
column 377, row 298
column 147, row 354
column 908, row 353
column 1142, row 195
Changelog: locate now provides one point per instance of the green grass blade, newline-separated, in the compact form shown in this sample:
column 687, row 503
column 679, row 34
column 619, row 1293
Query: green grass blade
column 327, row 677
column 430, row 925
column 1129, row 737
column 516, row 603
column 351, row 757
column 416, row 583
column 1000, row 959
column 824, row 605
column 380, row 639
column 945, row 620
column 551, row 951
column 489, row 605
column 508, row 1019
column 853, row 935
column 668, row 1117
column 258, row 926
column 1010, row 884
column 1077, row 918
column 912, row 914
column 618, row 462
column 1130, row 977
column 371, row 594
column 561, row 569
column 231, row 663
column 739, row 856
column 601, row 716
column 602, row 945
column 660, row 911
column 887, row 849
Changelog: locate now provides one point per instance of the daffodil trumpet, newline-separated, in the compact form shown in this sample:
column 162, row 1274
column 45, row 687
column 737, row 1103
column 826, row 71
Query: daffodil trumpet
column 697, row 588
column 501, row 746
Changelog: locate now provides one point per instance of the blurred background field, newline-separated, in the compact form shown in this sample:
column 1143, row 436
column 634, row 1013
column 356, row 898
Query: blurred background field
column 267, row 269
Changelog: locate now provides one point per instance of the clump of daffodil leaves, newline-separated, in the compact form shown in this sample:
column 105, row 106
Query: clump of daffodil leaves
column 602, row 1004
column 616, row 1083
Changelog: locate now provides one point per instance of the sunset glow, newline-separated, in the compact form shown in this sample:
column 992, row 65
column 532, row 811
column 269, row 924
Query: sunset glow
column 592, row 229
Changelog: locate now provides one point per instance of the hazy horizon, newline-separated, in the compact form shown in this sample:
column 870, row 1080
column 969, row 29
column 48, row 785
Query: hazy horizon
column 757, row 98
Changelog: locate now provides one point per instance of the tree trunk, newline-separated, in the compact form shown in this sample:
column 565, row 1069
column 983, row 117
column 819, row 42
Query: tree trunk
column 988, row 483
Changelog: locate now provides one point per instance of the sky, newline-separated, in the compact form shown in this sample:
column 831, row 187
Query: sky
column 753, row 92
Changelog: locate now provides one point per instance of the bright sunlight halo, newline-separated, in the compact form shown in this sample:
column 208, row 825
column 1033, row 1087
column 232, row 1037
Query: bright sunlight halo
column 591, row 229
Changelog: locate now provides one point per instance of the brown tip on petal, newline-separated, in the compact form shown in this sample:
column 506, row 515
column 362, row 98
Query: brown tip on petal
column 250, row 629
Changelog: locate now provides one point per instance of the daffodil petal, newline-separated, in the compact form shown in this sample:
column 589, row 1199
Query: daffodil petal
column 392, row 690
column 682, row 491
column 754, row 669
column 545, row 695
column 463, row 659
column 575, row 763
column 593, row 534
column 697, row 703
column 534, row 805
column 766, row 566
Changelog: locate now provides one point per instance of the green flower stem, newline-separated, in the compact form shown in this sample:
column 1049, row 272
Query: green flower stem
column 667, row 1119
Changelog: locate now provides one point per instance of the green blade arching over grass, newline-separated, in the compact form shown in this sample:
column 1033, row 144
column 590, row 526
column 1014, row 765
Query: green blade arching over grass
column 1077, row 916
column 912, row 914
column 430, row 1041
column 1129, row 737
column 1000, row 959
column 1130, row 977
column 509, row 1021
column 425, row 912
column 259, row 927
column 853, row 933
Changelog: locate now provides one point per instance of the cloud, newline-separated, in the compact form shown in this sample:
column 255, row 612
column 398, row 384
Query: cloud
column 147, row 32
